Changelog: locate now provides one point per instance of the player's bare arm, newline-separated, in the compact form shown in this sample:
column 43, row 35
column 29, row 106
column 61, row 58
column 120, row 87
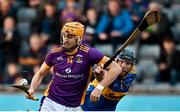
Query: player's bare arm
column 37, row 79
column 111, row 74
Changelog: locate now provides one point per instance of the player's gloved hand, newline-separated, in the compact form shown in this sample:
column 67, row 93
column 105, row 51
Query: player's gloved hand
column 99, row 72
column 95, row 95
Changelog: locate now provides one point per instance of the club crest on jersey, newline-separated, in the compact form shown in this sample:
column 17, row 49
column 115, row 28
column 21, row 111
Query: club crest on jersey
column 79, row 58
column 68, row 70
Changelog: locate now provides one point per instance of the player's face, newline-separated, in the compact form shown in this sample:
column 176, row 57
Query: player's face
column 125, row 65
column 69, row 41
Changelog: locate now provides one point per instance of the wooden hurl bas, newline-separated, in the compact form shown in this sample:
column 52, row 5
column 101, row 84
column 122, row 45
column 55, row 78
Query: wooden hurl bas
column 25, row 89
column 150, row 18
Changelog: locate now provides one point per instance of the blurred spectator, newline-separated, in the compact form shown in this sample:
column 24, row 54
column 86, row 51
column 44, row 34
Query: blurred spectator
column 172, row 14
column 169, row 63
column 61, row 4
column 137, row 9
column 99, row 5
column 115, row 25
column 34, row 3
column 50, row 23
column 20, row 3
column 6, row 9
column 37, row 20
column 11, row 76
column 10, row 42
column 91, row 25
column 36, row 8
column 44, row 39
column 34, row 56
column 155, row 33
column 29, row 19
column 71, row 12
column 149, row 36
column 168, row 19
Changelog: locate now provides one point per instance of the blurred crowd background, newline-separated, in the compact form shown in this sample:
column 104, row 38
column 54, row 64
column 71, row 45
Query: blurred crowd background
column 30, row 28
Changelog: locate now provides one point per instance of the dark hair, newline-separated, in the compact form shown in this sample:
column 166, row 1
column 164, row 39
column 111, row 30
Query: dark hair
column 168, row 38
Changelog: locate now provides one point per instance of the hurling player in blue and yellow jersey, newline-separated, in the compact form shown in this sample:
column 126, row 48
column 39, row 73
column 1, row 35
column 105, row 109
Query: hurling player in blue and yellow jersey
column 72, row 68
column 112, row 94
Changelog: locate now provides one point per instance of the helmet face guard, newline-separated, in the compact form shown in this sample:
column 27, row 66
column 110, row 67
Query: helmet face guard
column 72, row 46
column 69, row 36
column 128, row 55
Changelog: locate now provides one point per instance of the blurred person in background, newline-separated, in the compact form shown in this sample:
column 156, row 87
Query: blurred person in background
column 11, row 74
column 168, row 19
column 149, row 36
column 137, row 10
column 112, row 94
column 169, row 64
column 91, row 25
column 10, row 42
column 6, row 9
column 99, row 5
column 71, row 12
column 32, row 58
column 171, row 10
column 34, row 3
column 35, row 8
column 28, row 18
column 115, row 25
column 155, row 33
column 50, row 23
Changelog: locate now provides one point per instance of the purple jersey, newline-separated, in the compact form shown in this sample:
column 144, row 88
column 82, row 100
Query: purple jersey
column 70, row 74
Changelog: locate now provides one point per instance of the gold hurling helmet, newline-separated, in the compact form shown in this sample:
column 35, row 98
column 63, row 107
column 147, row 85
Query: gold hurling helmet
column 74, row 28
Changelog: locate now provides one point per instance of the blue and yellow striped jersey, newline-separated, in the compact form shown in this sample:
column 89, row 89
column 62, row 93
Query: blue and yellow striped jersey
column 111, row 95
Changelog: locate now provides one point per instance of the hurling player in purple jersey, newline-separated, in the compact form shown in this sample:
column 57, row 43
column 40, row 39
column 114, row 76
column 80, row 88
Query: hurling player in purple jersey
column 72, row 69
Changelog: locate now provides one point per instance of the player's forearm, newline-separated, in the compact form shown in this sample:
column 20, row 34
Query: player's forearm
column 36, row 81
column 39, row 75
column 112, row 74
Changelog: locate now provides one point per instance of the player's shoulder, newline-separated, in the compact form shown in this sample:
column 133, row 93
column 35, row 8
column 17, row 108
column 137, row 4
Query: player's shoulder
column 84, row 47
column 56, row 49
column 90, row 51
